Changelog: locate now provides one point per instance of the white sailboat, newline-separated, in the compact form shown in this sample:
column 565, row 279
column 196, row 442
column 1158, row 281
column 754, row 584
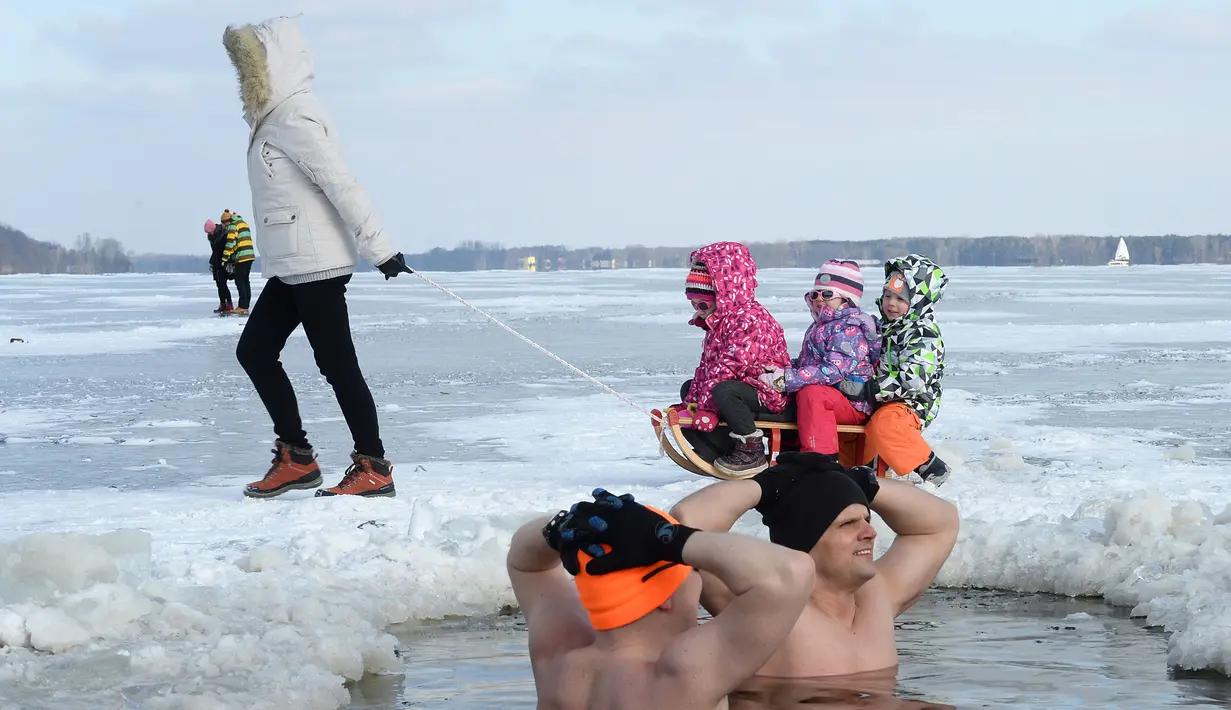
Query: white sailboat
column 1121, row 257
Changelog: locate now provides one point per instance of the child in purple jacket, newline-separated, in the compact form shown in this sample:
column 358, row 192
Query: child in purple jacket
column 838, row 356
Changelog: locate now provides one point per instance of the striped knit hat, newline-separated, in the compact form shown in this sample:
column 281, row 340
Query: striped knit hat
column 843, row 277
column 699, row 285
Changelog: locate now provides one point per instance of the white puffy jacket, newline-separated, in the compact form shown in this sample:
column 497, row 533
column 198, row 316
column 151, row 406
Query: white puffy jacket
column 311, row 219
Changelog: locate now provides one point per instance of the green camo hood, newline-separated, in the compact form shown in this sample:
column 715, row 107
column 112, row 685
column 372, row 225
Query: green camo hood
column 925, row 282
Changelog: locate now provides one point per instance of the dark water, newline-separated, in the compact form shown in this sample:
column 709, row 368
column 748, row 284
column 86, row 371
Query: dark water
column 958, row 649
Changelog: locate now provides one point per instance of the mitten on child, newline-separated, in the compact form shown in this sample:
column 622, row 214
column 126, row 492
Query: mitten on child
column 773, row 377
column 704, row 420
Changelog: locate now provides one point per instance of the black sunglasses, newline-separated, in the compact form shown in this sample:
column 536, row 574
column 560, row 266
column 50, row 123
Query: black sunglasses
column 825, row 295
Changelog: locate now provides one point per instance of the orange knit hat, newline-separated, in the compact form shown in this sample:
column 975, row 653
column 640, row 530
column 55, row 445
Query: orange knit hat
column 620, row 598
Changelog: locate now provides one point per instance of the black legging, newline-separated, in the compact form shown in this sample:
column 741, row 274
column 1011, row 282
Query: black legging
column 738, row 405
column 220, row 279
column 320, row 306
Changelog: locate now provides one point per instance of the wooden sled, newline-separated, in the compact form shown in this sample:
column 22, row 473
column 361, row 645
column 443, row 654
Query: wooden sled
column 671, row 439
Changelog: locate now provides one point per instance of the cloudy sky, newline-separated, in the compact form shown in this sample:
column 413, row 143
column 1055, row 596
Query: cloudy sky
column 614, row 122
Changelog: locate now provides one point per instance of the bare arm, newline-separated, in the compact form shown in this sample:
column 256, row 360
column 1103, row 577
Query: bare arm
column 926, row 528
column 546, row 594
column 770, row 585
column 716, row 508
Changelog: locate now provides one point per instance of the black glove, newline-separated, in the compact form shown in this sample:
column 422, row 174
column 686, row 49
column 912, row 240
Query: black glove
column 551, row 531
column 775, row 480
column 394, row 265
column 638, row 536
column 571, row 531
column 870, row 389
column 555, row 533
column 866, row 478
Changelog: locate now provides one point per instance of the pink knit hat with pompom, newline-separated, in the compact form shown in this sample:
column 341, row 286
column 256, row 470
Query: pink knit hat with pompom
column 843, row 277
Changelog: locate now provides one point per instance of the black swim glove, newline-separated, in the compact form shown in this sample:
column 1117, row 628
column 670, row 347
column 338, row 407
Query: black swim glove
column 773, row 482
column 777, row 479
column 551, row 531
column 865, row 478
column 570, row 531
column 638, row 536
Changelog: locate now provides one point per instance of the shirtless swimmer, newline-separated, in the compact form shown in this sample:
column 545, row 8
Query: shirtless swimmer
column 817, row 506
column 622, row 632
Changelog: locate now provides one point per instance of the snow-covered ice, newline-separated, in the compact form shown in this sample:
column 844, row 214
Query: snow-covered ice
column 1087, row 411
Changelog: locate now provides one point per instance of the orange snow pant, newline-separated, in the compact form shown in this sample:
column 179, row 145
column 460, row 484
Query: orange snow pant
column 895, row 434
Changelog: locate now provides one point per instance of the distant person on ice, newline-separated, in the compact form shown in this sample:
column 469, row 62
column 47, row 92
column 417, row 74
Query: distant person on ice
column 217, row 236
column 237, row 257
column 907, row 382
column 313, row 221
column 742, row 340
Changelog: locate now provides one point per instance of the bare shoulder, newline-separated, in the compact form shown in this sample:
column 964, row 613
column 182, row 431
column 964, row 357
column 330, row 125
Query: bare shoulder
column 556, row 621
column 590, row 678
column 564, row 678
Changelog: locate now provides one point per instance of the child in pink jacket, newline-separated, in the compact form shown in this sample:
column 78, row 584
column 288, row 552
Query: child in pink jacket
column 742, row 340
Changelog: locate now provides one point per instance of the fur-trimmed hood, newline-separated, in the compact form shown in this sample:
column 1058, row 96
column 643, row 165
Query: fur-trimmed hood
column 273, row 63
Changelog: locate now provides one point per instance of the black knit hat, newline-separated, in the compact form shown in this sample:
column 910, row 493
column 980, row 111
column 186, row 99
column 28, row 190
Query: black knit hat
column 809, row 506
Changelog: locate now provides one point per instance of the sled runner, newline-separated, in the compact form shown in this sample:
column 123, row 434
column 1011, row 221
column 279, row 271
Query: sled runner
column 779, row 430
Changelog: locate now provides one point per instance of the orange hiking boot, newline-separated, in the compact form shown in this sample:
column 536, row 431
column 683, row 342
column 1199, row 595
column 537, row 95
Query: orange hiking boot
column 293, row 468
column 367, row 476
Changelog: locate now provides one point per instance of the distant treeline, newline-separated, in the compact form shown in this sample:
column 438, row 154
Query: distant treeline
column 21, row 254
column 1060, row 250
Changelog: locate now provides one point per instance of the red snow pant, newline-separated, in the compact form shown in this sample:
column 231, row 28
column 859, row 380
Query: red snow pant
column 895, row 434
column 820, row 409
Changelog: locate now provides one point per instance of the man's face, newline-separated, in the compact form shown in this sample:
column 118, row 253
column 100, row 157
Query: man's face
column 844, row 553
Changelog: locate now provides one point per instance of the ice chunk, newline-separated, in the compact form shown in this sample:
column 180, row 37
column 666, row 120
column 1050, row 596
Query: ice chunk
column 1182, row 452
column 55, row 631
column 13, row 629
column 265, row 557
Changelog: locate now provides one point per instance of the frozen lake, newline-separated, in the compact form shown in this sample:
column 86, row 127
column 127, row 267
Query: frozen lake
column 1087, row 410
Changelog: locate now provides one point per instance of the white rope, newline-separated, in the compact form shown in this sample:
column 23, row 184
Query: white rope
column 538, row 347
